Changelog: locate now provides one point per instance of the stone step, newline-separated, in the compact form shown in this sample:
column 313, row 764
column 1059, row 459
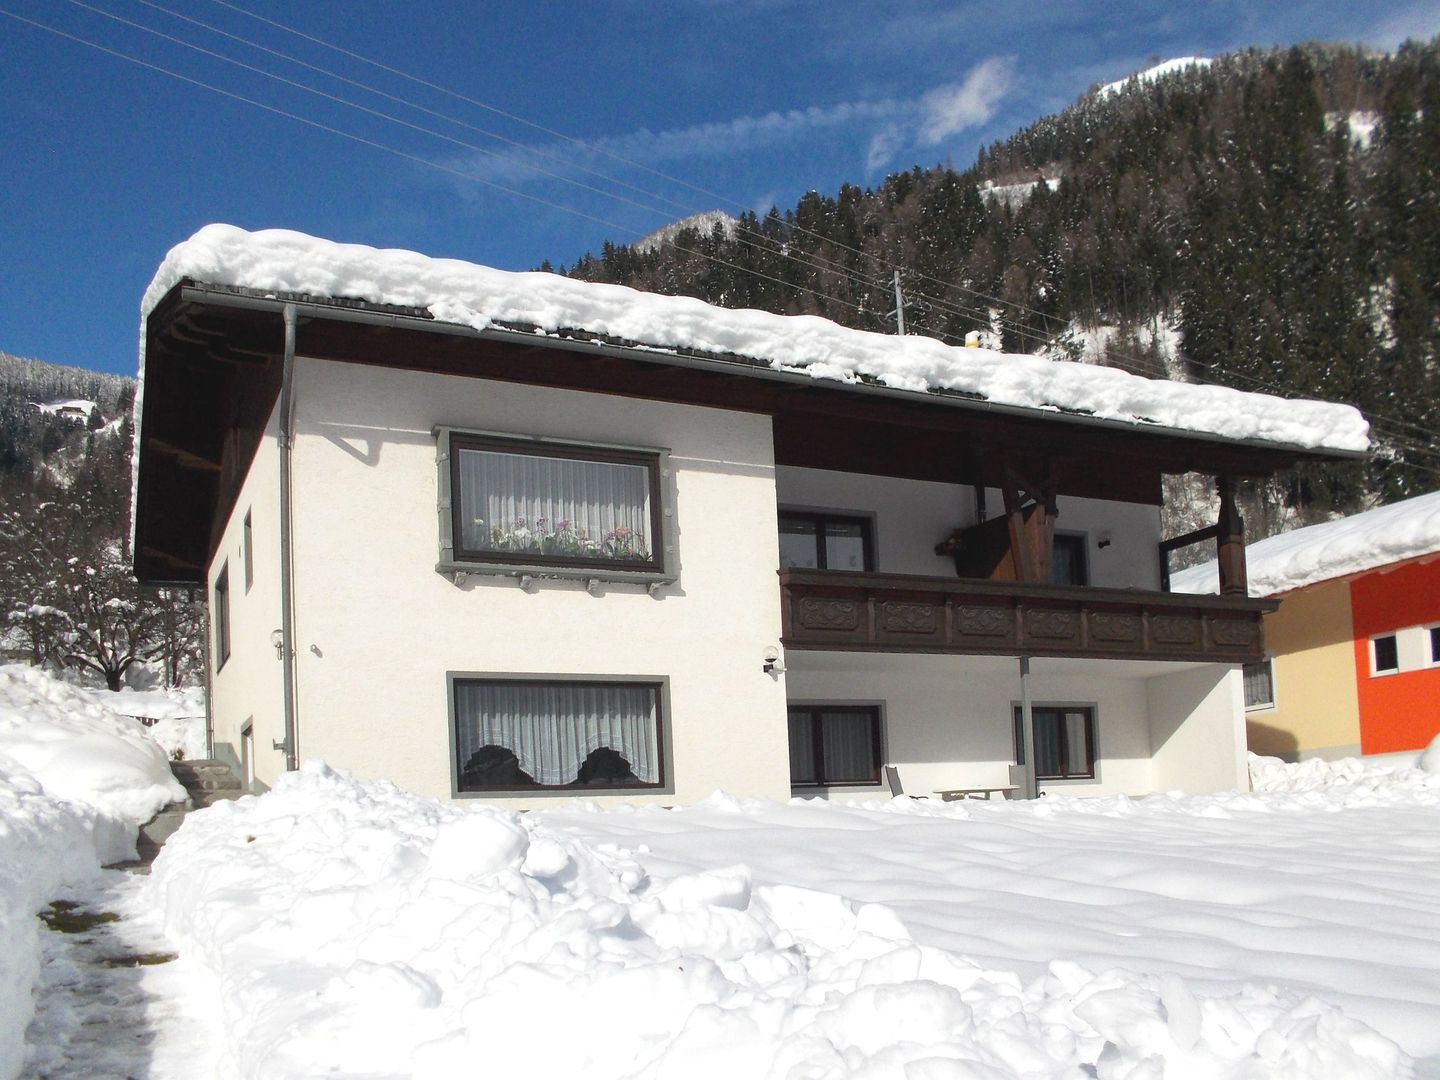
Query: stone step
column 202, row 799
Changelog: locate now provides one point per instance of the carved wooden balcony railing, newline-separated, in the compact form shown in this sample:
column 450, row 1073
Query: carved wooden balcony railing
column 897, row 613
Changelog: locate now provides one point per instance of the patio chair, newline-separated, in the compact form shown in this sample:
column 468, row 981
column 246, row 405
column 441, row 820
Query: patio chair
column 892, row 777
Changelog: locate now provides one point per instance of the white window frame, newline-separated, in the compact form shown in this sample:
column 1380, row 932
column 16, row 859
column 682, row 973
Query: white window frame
column 1267, row 706
column 1431, row 645
column 664, row 543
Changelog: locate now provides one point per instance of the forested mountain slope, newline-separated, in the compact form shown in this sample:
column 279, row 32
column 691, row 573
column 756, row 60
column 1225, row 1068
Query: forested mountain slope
column 1270, row 220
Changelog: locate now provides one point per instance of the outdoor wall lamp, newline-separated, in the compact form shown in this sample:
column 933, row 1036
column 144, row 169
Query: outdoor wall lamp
column 772, row 665
column 277, row 638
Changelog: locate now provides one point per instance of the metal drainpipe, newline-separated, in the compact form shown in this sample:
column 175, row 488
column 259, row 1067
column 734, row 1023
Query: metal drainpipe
column 287, row 613
column 1027, row 730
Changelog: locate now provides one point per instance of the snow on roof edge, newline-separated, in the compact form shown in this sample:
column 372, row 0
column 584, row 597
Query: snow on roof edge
column 1377, row 538
column 466, row 294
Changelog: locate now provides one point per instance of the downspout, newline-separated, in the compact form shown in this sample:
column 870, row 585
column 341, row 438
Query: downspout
column 287, row 612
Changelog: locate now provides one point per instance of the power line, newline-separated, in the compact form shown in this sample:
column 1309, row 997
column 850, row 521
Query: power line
column 810, row 261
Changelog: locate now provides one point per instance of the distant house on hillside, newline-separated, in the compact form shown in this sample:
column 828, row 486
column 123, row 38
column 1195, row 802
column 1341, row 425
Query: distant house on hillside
column 513, row 536
column 1354, row 651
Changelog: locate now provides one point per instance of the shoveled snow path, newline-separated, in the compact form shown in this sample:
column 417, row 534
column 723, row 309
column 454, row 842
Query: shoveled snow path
column 112, row 1021
column 1335, row 904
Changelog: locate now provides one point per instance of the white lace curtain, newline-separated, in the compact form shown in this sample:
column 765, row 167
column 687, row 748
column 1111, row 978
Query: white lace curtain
column 552, row 728
column 560, row 506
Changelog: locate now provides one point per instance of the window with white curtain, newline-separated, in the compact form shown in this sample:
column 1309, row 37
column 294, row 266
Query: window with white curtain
column 542, row 504
column 1064, row 741
column 834, row 744
column 514, row 734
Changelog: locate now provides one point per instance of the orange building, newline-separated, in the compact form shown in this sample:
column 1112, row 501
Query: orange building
column 1354, row 650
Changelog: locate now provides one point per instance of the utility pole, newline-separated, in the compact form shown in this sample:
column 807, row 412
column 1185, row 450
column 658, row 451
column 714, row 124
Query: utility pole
column 899, row 311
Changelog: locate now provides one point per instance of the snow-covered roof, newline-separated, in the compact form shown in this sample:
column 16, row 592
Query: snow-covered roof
column 464, row 294
column 1352, row 545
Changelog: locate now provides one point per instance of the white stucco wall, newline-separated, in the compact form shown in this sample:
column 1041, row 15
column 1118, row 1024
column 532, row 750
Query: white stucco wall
column 378, row 628
column 912, row 516
column 250, row 684
column 947, row 719
column 1198, row 729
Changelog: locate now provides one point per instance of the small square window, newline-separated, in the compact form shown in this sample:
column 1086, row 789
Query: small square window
column 1067, row 560
column 815, row 541
column 248, row 548
column 1260, row 685
column 1384, row 655
column 220, row 612
column 1435, row 644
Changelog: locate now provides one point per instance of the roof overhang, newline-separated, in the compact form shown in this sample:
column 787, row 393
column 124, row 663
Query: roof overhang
column 212, row 372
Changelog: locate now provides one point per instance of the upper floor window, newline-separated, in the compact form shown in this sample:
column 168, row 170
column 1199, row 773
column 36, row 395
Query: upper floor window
column 220, row 612
column 820, row 541
column 1384, row 654
column 539, row 505
column 1435, row 644
column 1067, row 560
column 1260, row 685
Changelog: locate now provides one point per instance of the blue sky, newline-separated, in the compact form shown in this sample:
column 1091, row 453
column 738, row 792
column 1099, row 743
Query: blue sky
column 694, row 104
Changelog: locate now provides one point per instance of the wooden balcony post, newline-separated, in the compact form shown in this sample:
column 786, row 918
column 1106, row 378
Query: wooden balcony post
column 1230, row 543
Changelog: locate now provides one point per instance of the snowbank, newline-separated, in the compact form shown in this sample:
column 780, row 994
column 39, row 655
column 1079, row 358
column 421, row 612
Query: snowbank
column 79, row 749
column 357, row 929
column 45, row 843
column 1347, row 782
column 476, row 296
column 1388, row 534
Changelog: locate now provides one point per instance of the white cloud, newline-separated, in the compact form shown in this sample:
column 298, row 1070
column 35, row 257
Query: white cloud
column 888, row 126
column 949, row 110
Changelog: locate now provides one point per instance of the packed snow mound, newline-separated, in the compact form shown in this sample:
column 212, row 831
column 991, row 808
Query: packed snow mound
column 464, row 294
column 358, row 930
column 1388, row 534
column 80, row 749
column 1348, row 781
column 45, row 843
column 1150, row 74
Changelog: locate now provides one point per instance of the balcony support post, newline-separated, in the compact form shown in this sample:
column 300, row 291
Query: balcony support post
column 1028, row 786
column 1230, row 543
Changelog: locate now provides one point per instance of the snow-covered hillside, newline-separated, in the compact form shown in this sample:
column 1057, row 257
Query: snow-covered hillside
column 1151, row 74
column 703, row 223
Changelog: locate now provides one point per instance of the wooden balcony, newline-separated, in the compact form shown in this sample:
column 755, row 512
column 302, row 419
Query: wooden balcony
column 825, row 609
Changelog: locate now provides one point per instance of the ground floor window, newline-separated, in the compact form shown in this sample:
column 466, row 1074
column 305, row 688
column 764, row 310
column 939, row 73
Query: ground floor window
column 834, row 744
column 1064, row 741
column 516, row 734
column 1260, row 685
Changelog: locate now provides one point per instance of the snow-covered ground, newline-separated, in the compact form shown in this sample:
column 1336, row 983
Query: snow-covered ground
column 345, row 928
column 1288, row 933
column 76, row 780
